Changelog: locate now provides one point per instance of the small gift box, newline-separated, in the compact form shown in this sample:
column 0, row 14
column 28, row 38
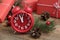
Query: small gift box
column 51, row 6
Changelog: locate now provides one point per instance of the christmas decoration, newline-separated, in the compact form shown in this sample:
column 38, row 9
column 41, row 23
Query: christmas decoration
column 9, row 20
column 9, row 17
column 44, row 27
column 22, row 21
column 48, row 22
column 36, row 24
column 57, row 7
column 15, row 9
column 35, row 32
column 45, row 16
column 28, row 9
column 47, row 28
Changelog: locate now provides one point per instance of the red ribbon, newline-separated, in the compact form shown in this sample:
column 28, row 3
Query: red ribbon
column 57, row 6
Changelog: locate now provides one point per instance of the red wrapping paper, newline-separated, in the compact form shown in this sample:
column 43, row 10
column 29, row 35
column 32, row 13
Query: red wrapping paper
column 51, row 6
column 5, row 7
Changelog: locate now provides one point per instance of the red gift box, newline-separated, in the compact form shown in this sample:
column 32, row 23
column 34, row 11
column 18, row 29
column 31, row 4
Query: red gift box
column 58, row 13
column 30, row 3
column 5, row 7
column 51, row 6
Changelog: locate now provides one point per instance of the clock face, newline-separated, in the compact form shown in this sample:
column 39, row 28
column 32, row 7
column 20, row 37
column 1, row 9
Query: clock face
column 22, row 22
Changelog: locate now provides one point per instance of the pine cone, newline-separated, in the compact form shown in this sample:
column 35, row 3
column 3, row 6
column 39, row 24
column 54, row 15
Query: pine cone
column 35, row 34
column 45, row 16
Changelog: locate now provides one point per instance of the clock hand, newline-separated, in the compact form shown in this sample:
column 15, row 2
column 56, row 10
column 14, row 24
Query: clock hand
column 21, row 18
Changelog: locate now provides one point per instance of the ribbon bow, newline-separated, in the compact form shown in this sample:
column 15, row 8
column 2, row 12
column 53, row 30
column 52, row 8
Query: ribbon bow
column 56, row 5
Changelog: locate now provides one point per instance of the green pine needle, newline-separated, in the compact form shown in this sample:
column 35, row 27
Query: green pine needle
column 43, row 26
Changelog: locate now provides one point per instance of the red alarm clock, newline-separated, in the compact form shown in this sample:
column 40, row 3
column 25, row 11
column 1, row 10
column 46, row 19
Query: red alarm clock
column 22, row 21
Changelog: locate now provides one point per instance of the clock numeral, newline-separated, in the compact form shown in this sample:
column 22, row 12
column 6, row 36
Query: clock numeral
column 26, row 27
column 16, row 18
column 19, row 26
column 16, row 24
column 29, row 21
column 22, row 28
column 14, row 21
column 28, row 24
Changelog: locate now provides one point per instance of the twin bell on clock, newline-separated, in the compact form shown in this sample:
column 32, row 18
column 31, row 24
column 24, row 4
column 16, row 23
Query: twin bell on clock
column 21, row 19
